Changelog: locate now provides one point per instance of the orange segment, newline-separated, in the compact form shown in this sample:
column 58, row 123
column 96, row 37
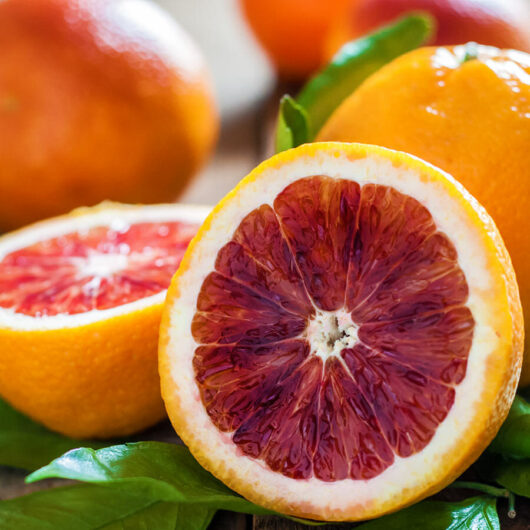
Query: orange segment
column 405, row 289
column 80, row 303
column 345, row 314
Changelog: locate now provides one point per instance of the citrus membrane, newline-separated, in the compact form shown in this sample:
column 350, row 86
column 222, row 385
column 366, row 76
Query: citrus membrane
column 326, row 343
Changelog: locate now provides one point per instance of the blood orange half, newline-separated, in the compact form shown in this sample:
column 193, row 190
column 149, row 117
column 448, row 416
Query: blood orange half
column 344, row 335
column 80, row 304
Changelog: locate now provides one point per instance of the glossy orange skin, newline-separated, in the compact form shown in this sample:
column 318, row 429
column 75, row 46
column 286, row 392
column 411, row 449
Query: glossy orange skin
column 470, row 118
column 98, row 100
column 501, row 23
column 94, row 381
column 293, row 32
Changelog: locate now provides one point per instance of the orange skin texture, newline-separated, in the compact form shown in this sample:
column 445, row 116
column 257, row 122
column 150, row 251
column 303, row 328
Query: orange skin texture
column 471, row 119
column 94, row 381
column 501, row 23
column 292, row 32
column 98, row 100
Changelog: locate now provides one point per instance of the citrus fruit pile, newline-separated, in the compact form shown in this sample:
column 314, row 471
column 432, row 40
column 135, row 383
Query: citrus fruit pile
column 465, row 109
column 80, row 303
column 344, row 334
column 99, row 101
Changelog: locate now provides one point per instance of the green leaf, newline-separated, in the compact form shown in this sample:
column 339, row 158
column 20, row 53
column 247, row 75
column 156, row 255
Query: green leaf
column 513, row 475
column 292, row 129
column 513, row 438
column 91, row 506
column 28, row 445
column 507, row 460
column 169, row 470
column 475, row 513
column 162, row 475
column 354, row 62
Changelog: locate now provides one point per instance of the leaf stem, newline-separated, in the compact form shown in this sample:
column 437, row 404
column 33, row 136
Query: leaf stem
column 511, row 506
column 484, row 488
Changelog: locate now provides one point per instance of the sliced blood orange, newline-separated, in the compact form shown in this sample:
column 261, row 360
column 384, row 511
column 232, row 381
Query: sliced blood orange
column 344, row 335
column 80, row 304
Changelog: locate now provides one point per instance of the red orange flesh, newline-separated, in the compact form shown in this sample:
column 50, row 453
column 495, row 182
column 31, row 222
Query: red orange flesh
column 344, row 334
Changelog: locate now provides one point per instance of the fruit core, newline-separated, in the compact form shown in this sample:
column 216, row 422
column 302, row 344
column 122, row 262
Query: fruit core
column 328, row 333
column 333, row 330
column 93, row 268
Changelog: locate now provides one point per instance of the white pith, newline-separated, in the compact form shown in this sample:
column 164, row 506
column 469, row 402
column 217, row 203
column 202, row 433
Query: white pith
column 329, row 332
column 102, row 265
column 335, row 498
column 115, row 217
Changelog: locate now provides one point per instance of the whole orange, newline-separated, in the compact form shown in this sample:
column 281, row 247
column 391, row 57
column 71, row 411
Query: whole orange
column 98, row 100
column 293, row 32
column 466, row 109
column 501, row 23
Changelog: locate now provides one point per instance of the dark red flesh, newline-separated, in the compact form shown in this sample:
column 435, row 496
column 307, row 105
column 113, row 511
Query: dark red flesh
column 51, row 277
column 326, row 245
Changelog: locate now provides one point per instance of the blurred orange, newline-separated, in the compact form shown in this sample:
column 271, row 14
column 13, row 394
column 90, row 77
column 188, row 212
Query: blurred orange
column 293, row 32
column 98, row 100
column 501, row 23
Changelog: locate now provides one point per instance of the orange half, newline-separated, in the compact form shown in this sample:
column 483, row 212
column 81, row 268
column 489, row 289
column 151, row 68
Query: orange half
column 81, row 297
column 344, row 334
